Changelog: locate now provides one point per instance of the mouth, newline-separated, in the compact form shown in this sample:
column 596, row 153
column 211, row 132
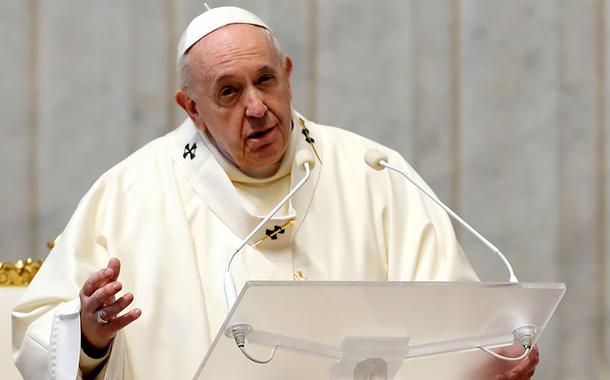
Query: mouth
column 262, row 138
column 260, row 134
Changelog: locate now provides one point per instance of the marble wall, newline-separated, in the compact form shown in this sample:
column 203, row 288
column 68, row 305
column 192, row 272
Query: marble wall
column 501, row 105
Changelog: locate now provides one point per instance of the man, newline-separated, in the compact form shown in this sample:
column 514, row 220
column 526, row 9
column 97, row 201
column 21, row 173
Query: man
column 165, row 220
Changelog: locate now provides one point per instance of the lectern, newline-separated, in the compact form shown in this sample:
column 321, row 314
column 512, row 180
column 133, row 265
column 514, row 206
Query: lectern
column 376, row 330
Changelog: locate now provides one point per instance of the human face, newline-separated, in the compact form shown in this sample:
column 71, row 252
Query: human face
column 239, row 95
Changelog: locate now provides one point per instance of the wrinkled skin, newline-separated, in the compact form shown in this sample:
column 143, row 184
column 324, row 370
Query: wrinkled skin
column 239, row 95
column 98, row 295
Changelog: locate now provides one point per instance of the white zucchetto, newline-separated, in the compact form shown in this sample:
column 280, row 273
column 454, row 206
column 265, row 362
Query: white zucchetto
column 211, row 20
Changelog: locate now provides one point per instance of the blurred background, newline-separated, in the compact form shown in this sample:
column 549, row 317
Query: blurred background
column 502, row 106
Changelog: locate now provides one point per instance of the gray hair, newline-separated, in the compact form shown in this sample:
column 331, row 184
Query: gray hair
column 184, row 73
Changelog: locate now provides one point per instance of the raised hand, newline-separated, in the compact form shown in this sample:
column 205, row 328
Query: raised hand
column 99, row 313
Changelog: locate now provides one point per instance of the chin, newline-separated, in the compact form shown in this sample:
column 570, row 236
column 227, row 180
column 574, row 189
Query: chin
column 263, row 161
column 264, row 164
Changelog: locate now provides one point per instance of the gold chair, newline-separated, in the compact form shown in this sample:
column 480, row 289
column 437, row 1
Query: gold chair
column 20, row 273
column 14, row 278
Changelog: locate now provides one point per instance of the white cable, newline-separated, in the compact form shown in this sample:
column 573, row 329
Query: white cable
column 527, row 351
column 243, row 350
column 270, row 215
column 239, row 332
column 378, row 161
column 304, row 159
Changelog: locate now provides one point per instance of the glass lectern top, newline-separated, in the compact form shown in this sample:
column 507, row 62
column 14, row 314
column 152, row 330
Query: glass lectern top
column 428, row 329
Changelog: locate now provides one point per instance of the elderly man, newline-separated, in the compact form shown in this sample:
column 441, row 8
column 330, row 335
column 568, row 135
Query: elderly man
column 164, row 221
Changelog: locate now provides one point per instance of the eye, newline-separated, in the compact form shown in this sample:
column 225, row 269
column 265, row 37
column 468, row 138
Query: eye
column 265, row 78
column 227, row 91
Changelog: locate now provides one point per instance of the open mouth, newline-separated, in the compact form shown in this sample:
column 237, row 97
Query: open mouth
column 260, row 134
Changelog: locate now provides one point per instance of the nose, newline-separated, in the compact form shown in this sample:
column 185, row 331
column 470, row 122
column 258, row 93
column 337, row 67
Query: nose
column 254, row 104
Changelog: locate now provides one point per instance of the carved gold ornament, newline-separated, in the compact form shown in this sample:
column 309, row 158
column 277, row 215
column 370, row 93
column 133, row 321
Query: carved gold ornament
column 18, row 274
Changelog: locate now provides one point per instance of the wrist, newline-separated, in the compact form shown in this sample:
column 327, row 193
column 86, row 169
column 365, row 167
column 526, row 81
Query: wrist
column 93, row 351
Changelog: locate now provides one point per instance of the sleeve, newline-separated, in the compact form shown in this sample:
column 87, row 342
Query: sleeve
column 46, row 320
column 421, row 242
column 93, row 367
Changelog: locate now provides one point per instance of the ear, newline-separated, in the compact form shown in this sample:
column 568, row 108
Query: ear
column 287, row 73
column 287, row 66
column 187, row 104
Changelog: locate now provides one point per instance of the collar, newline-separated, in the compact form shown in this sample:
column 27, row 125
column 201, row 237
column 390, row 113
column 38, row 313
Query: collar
column 210, row 182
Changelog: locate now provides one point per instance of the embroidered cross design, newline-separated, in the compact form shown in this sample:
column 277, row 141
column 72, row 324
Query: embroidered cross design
column 189, row 151
column 308, row 138
column 273, row 233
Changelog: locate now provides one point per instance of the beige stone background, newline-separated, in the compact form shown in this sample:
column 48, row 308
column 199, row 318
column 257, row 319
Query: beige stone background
column 501, row 105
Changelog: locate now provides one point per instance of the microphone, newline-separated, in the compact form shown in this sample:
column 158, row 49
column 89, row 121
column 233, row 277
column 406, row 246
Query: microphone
column 304, row 160
column 378, row 161
column 303, row 157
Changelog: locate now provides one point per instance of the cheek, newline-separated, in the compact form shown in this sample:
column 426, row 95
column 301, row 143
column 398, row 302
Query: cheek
column 289, row 92
column 227, row 127
column 232, row 139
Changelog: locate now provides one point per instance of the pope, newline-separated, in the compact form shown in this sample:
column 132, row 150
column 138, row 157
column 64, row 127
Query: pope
column 161, row 224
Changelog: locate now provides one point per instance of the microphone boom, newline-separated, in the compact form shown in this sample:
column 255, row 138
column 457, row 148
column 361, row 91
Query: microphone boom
column 377, row 160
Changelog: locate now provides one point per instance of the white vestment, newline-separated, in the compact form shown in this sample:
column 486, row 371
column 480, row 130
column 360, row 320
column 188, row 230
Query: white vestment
column 172, row 216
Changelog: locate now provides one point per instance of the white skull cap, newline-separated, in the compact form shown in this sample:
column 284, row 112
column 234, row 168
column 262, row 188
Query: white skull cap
column 211, row 20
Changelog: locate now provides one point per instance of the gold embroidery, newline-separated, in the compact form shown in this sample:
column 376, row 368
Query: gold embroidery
column 274, row 233
column 309, row 139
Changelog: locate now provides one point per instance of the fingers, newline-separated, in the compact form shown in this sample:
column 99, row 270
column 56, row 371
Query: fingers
column 526, row 368
column 125, row 319
column 504, row 370
column 97, row 280
column 103, row 296
column 530, row 374
column 115, row 265
column 110, row 312
column 528, row 364
column 535, row 354
column 102, row 277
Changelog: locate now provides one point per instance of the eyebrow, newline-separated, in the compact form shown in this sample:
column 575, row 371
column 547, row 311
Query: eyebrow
column 261, row 70
column 266, row 69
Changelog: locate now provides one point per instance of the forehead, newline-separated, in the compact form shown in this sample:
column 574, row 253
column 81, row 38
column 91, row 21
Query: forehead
column 232, row 47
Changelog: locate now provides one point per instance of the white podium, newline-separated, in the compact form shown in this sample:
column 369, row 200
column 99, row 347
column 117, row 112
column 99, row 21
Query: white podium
column 376, row 330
